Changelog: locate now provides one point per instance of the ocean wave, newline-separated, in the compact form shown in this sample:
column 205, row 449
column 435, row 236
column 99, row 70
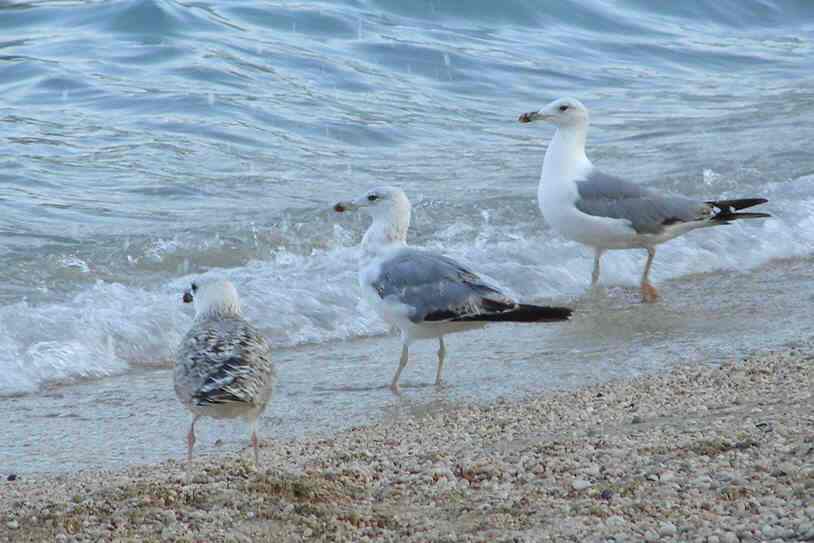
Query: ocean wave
column 298, row 282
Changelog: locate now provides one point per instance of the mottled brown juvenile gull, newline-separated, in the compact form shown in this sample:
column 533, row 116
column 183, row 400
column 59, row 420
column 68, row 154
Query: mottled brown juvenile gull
column 223, row 366
column 423, row 293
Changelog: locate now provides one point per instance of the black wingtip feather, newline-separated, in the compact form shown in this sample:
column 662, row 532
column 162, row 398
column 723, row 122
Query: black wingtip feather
column 525, row 313
column 736, row 205
column 724, row 217
column 727, row 209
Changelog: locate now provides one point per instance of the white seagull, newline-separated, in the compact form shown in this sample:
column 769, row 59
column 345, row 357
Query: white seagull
column 605, row 212
column 223, row 366
column 423, row 293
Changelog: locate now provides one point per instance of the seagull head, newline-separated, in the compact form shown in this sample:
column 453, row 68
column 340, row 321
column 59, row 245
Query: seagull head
column 563, row 113
column 379, row 202
column 390, row 210
column 218, row 297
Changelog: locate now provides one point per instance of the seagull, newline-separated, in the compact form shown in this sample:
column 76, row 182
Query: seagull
column 606, row 212
column 223, row 366
column 425, row 294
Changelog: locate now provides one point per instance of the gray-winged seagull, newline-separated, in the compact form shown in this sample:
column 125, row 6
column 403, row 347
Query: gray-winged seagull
column 605, row 212
column 423, row 293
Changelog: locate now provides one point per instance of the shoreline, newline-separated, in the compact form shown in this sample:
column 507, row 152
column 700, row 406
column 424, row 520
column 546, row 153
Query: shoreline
column 707, row 454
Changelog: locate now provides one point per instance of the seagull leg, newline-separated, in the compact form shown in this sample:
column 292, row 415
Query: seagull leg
column 253, row 441
column 649, row 292
column 394, row 386
column 442, row 352
column 597, row 257
column 191, row 438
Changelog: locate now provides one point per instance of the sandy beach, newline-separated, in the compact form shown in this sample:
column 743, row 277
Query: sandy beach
column 700, row 454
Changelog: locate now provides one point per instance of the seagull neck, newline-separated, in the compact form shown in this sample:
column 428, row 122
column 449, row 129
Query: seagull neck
column 219, row 311
column 385, row 233
column 565, row 157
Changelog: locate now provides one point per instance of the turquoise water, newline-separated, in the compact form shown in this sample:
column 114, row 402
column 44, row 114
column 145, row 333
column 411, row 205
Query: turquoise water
column 146, row 143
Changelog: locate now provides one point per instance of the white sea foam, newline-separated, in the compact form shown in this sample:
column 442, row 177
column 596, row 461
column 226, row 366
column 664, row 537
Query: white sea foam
column 310, row 296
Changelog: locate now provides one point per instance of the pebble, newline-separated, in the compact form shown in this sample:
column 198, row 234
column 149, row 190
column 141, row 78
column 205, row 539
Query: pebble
column 615, row 520
column 12, row 524
column 591, row 469
column 580, row 484
column 667, row 529
column 726, row 476
column 651, row 537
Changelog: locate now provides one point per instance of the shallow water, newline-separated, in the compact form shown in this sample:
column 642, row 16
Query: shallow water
column 147, row 143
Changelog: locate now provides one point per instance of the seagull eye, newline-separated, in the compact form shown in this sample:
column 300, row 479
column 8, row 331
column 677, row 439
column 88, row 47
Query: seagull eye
column 563, row 108
column 372, row 197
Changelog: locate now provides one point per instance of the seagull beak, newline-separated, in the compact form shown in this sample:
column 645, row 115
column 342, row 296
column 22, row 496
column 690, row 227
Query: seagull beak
column 358, row 203
column 530, row 117
column 341, row 207
column 187, row 298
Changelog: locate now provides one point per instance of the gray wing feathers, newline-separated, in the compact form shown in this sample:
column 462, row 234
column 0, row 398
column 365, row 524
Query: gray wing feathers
column 224, row 360
column 647, row 211
column 437, row 288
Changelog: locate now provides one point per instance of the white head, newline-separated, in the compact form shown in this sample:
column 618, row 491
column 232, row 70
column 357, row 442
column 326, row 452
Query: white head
column 384, row 202
column 390, row 209
column 213, row 297
column 565, row 112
